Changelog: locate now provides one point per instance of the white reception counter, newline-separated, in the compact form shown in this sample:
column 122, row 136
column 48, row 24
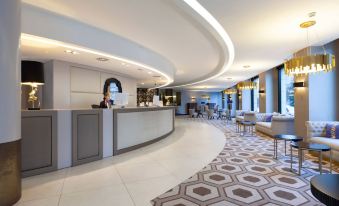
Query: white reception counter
column 80, row 136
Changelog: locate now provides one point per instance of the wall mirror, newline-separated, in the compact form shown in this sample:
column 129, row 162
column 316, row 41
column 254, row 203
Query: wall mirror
column 112, row 86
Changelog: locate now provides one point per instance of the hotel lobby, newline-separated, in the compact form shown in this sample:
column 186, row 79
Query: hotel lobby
column 169, row 103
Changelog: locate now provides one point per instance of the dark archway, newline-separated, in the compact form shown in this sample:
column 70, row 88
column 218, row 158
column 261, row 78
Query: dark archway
column 108, row 83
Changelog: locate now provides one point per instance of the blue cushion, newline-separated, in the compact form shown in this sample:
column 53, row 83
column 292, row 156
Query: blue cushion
column 332, row 131
column 268, row 118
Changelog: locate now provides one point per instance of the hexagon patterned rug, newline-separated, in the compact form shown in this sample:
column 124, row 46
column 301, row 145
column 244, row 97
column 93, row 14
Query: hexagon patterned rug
column 245, row 173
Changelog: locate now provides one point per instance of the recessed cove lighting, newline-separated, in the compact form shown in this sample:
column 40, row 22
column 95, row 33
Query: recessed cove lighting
column 71, row 52
column 246, row 66
column 225, row 41
column 102, row 59
column 76, row 49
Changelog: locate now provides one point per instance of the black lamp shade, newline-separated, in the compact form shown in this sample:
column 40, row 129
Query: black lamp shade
column 299, row 84
column 32, row 72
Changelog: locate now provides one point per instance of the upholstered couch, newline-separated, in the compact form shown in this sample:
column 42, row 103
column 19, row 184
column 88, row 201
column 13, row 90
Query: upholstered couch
column 241, row 115
column 280, row 124
column 316, row 133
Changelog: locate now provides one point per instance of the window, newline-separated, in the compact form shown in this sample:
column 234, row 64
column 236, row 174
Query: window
column 255, row 96
column 286, row 93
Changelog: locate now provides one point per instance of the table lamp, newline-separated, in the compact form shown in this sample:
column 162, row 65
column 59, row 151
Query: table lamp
column 32, row 74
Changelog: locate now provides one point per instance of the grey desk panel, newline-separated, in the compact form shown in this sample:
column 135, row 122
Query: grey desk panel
column 87, row 136
column 39, row 142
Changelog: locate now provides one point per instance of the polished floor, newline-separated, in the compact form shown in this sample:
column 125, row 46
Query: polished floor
column 131, row 179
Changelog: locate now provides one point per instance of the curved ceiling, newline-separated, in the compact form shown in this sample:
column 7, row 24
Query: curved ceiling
column 158, row 25
column 265, row 33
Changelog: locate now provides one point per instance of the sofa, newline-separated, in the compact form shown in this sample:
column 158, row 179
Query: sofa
column 241, row 115
column 280, row 124
column 316, row 133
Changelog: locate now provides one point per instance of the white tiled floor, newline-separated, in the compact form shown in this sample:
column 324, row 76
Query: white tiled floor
column 132, row 178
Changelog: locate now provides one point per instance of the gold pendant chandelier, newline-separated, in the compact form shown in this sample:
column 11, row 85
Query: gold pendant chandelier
column 230, row 91
column 311, row 63
column 246, row 85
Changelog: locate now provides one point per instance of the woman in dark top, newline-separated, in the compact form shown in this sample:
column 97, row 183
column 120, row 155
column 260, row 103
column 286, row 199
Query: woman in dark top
column 106, row 102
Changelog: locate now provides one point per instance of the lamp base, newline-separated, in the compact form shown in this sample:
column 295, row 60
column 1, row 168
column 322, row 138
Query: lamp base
column 33, row 108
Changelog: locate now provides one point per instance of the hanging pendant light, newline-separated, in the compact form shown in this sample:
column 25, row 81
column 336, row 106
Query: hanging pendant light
column 230, row 91
column 246, row 85
column 311, row 63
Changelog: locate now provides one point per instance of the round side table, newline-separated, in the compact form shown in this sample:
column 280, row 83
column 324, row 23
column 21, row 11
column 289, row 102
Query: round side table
column 285, row 138
column 249, row 124
column 326, row 188
column 320, row 148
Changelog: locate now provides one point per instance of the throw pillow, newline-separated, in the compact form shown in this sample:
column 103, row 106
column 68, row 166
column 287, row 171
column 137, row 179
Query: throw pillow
column 260, row 117
column 332, row 131
column 268, row 118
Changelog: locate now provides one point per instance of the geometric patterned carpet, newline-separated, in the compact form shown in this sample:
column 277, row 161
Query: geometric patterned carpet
column 245, row 173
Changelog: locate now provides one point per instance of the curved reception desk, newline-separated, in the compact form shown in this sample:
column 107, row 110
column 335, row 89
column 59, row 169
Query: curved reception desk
column 56, row 139
column 137, row 127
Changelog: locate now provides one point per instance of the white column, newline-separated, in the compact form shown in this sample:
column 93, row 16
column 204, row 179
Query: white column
column 10, row 127
column 10, row 75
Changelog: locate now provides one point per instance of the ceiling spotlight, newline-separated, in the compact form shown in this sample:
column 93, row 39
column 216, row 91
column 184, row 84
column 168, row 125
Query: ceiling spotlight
column 149, row 72
column 71, row 52
column 246, row 66
column 142, row 83
column 123, row 63
column 102, row 59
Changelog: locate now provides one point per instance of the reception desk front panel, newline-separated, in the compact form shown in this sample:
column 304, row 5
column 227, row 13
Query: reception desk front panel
column 55, row 139
column 137, row 127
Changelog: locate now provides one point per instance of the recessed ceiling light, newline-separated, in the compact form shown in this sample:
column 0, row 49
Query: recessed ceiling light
column 246, row 66
column 102, row 59
column 142, row 83
column 123, row 63
column 71, row 52
column 140, row 69
column 229, row 78
column 149, row 72
column 156, row 76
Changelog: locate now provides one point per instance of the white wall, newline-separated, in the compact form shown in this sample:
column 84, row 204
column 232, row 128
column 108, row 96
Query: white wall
column 322, row 96
column 78, row 86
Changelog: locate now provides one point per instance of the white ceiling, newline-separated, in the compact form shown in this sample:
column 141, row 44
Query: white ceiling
column 156, row 24
column 41, row 49
column 264, row 32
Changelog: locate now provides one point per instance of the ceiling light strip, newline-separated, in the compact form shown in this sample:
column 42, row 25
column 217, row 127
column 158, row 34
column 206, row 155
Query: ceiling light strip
column 91, row 51
column 198, row 8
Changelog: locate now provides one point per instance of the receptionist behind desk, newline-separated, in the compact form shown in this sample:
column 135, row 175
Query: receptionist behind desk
column 106, row 102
